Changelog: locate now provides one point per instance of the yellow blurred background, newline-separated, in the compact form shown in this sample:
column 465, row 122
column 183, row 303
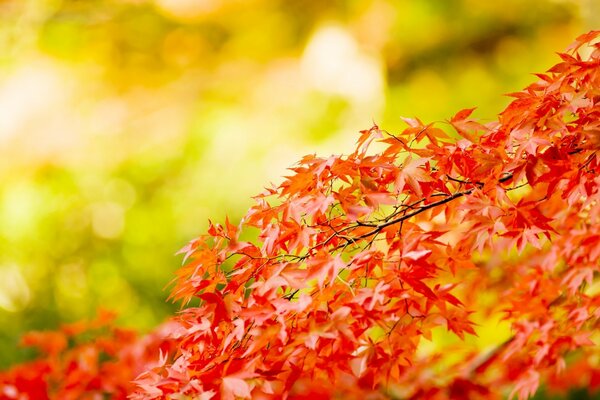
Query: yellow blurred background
column 126, row 124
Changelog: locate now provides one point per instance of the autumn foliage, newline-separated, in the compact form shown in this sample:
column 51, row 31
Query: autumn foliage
column 85, row 360
column 336, row 280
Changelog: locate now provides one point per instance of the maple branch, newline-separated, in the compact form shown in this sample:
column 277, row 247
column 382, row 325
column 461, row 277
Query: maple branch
column 461, row 181
column 417, row 136
column 589, row 160
column 291, row 295
column 379, row 227
column 389, row 222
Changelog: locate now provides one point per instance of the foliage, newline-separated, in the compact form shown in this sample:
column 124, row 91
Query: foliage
column 359, row 260
column 85, row 360
column 125, row 124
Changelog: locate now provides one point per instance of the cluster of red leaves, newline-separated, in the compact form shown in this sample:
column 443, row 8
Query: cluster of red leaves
column 360, row 258
column 85, row 360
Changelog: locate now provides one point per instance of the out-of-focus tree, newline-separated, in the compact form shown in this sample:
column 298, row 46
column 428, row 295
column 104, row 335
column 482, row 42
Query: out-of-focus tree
column 125, row 124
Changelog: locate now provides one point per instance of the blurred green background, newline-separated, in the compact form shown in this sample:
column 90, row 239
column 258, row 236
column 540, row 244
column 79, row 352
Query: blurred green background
column 126, row 124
